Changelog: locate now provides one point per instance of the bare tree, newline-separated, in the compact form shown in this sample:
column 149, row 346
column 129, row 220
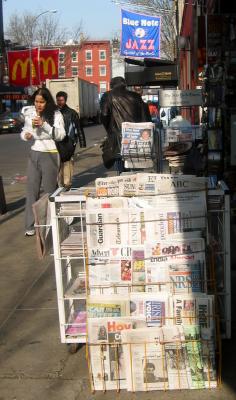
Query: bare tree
column 164, row 8
column 26, row 30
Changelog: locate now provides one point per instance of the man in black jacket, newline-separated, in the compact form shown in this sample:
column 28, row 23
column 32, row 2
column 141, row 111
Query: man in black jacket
column 73, row 129
column 120, row 105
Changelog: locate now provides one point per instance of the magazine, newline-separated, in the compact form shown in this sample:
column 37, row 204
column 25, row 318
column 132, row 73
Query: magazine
column 77, row 324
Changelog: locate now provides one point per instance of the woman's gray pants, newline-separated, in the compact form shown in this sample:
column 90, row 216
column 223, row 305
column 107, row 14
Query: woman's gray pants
column 42, row 170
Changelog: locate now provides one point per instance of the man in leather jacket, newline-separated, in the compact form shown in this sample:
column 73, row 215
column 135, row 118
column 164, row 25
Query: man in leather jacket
column 121, row 105
column 74, row 129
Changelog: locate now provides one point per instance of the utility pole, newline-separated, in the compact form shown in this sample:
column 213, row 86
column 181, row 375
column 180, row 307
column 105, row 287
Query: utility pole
column 177, row 40
column 2, row 44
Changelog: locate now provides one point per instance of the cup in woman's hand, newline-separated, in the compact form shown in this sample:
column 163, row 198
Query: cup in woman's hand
column 35, row 121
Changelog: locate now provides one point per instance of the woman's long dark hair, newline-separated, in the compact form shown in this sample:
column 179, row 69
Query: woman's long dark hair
column 50, row 108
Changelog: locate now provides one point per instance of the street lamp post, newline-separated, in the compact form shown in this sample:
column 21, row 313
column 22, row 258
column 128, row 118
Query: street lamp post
column 31, row 42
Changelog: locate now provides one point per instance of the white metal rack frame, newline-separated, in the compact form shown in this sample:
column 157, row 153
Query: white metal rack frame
column 67, row 217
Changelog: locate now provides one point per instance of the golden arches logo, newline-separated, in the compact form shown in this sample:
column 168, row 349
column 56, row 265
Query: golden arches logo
column 45, row 62
column 23, row 65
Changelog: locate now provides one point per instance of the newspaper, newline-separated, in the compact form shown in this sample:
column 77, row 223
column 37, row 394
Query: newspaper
column 153, row 184
column 144, row 359
column 148, row 184
column 106, row 228
column 181, row 134
column 178, row 370
column 194, row 309
column 120, row 266
column 137, row 140
column 153, row 307
column 194, row 352
column 176, row 266
column 208, row 357
column 106, row 351
column 112, row 306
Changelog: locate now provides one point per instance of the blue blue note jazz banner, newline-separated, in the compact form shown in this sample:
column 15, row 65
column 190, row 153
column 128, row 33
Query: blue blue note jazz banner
column 140, row 35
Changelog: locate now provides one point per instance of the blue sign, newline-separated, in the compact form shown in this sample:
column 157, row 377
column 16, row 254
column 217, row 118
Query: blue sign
column 140, row 35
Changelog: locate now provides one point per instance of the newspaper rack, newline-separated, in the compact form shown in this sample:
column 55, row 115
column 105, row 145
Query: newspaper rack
column 75, row 289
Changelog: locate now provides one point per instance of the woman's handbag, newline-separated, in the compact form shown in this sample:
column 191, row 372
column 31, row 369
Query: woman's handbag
column 65, row 147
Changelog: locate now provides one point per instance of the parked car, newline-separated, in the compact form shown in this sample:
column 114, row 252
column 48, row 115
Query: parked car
column 11, row 122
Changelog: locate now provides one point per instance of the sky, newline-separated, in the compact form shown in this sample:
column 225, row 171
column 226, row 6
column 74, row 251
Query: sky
column 101, row 18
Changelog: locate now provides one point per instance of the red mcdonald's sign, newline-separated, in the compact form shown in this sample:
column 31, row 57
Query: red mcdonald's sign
column 19, row 67
column 44, row 64
column 48, row 64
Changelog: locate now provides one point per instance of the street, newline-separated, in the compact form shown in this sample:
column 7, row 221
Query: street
column 13, row 151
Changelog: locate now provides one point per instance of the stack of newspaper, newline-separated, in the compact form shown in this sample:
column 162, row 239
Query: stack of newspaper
column 143, row 184
column 137, row 144
column 150, row 320
column 74, row 245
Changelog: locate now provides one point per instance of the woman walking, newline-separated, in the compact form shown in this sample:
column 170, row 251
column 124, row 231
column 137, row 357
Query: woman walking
column 43, row 124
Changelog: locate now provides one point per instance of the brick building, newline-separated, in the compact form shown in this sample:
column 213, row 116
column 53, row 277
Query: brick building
column 90, row 60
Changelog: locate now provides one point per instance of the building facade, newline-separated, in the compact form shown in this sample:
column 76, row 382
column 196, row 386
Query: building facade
column 90, row 60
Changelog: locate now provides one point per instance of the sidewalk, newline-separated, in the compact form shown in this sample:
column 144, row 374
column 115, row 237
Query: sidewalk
column 34, row 365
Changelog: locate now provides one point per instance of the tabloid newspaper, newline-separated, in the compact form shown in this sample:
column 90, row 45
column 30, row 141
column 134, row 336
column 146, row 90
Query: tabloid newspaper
column 106, row 350
column 137, row 144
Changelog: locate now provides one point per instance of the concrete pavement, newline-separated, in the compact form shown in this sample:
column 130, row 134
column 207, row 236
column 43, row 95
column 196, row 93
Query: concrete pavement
column 34, row 365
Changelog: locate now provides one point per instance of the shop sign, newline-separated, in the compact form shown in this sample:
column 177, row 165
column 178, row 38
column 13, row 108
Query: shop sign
column 182, row 98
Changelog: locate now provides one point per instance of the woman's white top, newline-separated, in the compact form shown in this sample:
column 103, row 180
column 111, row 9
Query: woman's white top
column 42, row 136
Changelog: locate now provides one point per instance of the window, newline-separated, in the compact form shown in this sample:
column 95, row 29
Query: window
column 61, row 57
column 74, row 71
column 88, row 55
column 61, row 71
column 89, row 70
column 74, row 56
column 103, row 87
column 102, row 55
column 102, row 70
